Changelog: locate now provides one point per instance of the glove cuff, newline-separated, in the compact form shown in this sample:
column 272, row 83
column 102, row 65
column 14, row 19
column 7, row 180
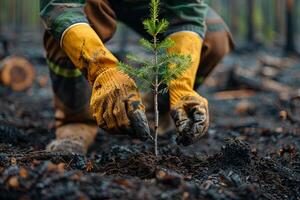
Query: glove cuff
column 186, row 43
column 179, row 90
column 86, row 50
column 113, row 78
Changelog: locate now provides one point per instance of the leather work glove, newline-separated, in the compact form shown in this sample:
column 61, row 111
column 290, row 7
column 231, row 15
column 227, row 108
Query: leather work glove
column 188, row 109
column 115, row 103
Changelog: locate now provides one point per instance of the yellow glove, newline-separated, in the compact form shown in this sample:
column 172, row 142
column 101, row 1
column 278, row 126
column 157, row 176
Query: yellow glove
column 188, row 109
column 86, row 51
column 115, row 103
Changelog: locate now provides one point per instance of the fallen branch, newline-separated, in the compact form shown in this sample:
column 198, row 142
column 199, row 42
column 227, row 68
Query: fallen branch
column 77, row 160
column 276, row 62
column 246, row 78
column 234, row 94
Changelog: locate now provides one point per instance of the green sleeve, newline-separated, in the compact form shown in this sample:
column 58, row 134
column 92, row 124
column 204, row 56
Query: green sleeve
column 186, row 15
column 58, row 15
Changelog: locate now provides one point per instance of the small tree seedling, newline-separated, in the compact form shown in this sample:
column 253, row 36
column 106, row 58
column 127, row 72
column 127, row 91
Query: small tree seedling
column 156, row 72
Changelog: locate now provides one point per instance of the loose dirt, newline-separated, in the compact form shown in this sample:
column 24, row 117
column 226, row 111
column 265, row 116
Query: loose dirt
column 245, row 155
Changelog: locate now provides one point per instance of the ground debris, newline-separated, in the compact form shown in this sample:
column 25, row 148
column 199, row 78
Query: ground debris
column 236, row 152
column 12, row 135
column 168, row 177
column 260, row 159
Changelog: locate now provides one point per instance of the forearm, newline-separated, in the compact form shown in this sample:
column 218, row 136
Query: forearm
column 68, row 24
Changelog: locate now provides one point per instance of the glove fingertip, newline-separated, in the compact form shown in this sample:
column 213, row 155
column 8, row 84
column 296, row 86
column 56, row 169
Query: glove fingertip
column 139, row 124
column 144, row 133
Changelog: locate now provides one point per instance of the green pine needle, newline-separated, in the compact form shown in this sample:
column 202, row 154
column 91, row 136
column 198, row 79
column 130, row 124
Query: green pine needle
column 146, row 44
column 150, row 26
column 165, row 44
column 154, row 10
column 162, row 26
column 137, row 60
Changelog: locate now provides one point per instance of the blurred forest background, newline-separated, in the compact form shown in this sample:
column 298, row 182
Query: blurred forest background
column 267, row 23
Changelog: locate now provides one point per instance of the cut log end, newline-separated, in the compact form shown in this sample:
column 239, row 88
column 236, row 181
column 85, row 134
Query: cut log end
column 17, row 73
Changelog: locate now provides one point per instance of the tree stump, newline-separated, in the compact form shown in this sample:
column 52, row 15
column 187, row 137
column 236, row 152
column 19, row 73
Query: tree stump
column 17, row 73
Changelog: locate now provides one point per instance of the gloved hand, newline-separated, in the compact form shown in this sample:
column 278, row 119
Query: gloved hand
column 117, row 106
column 188, row 109
column 191, row 118
column 115, row 103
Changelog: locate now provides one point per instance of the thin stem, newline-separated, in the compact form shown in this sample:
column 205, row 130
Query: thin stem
column 156, row 112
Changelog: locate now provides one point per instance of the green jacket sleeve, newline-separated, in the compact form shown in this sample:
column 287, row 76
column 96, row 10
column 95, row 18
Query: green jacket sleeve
column 58, row 15
column 186, row 15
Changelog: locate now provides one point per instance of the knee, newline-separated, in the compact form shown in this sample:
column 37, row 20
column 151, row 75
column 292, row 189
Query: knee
column 102, row 17
column 219, row 44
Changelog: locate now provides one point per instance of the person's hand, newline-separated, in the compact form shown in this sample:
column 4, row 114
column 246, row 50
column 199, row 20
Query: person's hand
column 188, row 109
column 191, row 118
column 116, row 105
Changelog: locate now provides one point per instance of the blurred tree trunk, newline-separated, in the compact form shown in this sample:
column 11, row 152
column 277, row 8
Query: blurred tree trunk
column 290, row 35
column 250, row 21
column 234, row 16
column 278, row 16
column 3, row 41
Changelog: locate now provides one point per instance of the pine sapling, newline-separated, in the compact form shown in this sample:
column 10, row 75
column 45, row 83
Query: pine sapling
column 157, row 72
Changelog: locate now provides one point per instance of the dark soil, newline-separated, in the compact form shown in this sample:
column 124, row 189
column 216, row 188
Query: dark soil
column 253, row 154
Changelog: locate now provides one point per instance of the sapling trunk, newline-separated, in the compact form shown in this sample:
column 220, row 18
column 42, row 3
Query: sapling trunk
column 155, row 72
column 156, row 112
